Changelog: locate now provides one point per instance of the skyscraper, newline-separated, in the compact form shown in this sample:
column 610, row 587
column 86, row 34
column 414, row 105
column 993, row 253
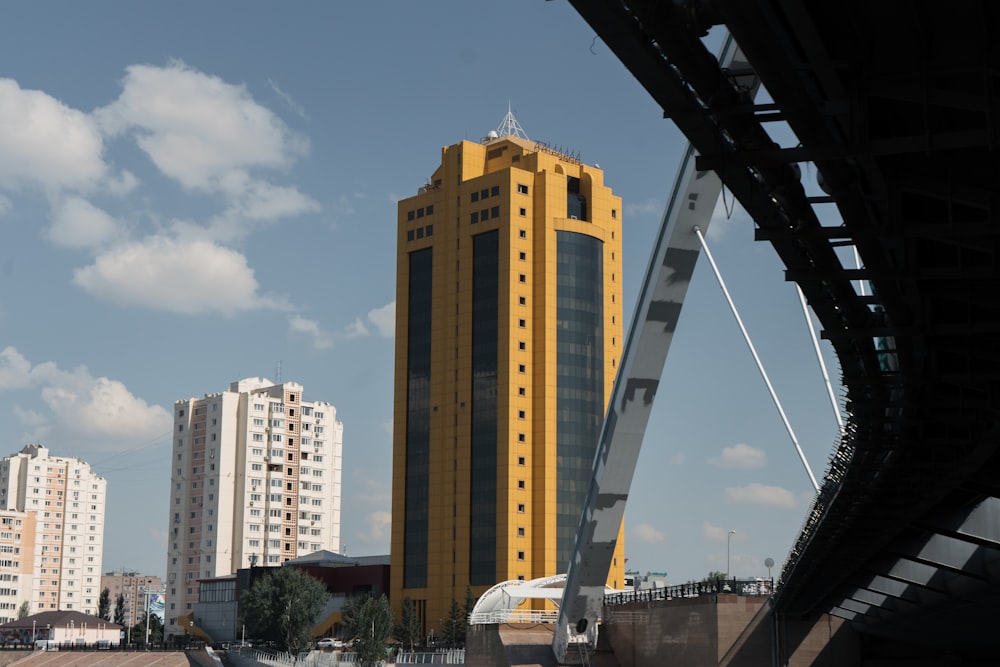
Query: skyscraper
column 68, row 501
column 508, row 335
column 255, row 480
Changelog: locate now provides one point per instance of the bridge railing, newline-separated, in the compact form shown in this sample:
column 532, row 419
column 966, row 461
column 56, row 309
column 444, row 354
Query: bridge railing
column 748, row 587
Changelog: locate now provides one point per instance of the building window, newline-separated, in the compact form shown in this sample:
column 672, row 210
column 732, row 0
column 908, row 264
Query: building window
column 521, row 391
column 495, row 191
column 475, row 196
column 520, row 508
column 520, row 414
column 495, row 212
column 520, row 460
column 614, row 213
column 523, row 233
column 420, row 212
column 520, row 531
column 520, row 555
column 522, row 346
column 522, row 300
column 474, row 217
column 522, row 256
column 522, row 323
column 484, row 215
column 483, row 194
column 522, row 189
column 522, row 278
column 430, row 209
column 521, row 437
column 521, row 368
column 520, row 484
column 523, row 212
column 409, row 235
column 409, row 215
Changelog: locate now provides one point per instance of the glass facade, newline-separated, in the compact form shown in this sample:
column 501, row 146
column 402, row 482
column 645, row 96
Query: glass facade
column 579, row 378
column 418, row 419
column 483, row 438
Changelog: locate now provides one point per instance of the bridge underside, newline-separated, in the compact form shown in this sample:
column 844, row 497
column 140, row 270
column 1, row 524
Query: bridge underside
column 896, row 107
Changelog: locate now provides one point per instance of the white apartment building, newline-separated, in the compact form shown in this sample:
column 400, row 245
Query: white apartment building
column 68, row 501
column 17, row 549
column 255, row 480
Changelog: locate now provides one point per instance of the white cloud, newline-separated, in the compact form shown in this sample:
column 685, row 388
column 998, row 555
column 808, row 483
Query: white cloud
column 188, row 278
column 740, row 455
column 384, row 319
column 85, row 412
column 760, row 494
column 713, row 532
column 76, row 223
column 377, row 528
column 287, row 99
column 321, row 339
column 45, row 144
column 644, row 209
column 356, row 329
column 15, row 370
column 197, row 128
column 647, row 534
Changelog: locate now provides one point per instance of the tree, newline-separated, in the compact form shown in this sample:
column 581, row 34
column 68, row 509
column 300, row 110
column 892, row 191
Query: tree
column 369, row 623
column 24, row 610
column 104, row 605
column 408, row 632
column 453, row 632
column 470, row 604
column 120, row 610
column 155, row 630
column 282, row 606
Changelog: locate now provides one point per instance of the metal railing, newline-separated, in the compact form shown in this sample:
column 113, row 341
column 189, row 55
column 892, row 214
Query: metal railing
column 747, row 587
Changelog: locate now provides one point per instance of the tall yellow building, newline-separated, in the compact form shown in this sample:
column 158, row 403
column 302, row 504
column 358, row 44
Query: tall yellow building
column 508, row 337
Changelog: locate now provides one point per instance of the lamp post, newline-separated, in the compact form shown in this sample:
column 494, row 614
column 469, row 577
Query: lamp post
column 729, row 538
column 32, row 632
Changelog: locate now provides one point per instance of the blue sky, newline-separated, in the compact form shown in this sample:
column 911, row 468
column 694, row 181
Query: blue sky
column 192, row 193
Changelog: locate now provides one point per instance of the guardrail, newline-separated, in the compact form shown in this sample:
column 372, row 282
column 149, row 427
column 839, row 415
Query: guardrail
column 747, row 587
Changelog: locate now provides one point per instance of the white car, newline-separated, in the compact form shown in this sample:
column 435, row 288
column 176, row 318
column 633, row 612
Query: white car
column 329, row 642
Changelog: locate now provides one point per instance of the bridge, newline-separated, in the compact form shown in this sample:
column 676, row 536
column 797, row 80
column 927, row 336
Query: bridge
column 896, row 106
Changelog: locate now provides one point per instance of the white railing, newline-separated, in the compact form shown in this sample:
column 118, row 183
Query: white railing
column 515, row 616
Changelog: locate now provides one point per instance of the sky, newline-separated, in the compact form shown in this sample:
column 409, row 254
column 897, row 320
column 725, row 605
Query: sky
column 192, row 193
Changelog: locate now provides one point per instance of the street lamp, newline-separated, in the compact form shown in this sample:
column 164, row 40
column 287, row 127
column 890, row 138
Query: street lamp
column 729, row 537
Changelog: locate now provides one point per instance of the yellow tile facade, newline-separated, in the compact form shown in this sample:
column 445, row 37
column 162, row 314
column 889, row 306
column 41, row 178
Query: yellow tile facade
column 502, row 210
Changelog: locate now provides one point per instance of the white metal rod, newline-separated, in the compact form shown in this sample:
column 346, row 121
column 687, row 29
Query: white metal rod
column 819, row 358
column 753, row 351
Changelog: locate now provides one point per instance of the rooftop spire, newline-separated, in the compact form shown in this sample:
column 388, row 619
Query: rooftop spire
column 510, row 126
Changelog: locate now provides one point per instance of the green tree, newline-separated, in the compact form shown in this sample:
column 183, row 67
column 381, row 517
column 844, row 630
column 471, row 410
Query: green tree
column 470, row 604
column 715, row 576
column 24, row 610
column 453, row 632
column 155, row 630
column 368, row 621
column 408, row 631
column 282, row 606
column 120, row 610
column 104, row 605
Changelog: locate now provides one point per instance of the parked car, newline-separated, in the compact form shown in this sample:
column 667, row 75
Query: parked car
column 329, row 642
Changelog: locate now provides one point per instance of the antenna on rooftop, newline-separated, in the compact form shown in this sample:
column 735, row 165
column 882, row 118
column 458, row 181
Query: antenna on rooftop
column 510, row 126
column 277, row 373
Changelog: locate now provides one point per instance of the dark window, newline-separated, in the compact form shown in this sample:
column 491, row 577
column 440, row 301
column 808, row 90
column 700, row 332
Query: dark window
column 484, row 215
column 415, row 526
column 420, row 212
column 495, row 212
column 579, row 377
column 409, row 235
column 430, row 209
column 475, row 217
column 475, row 196
column 576, row 203
column 522, row 188
column 409, row 215
column 483, row 440
column 522, row 233
column 522, row 211
column 495, row 191
column 420, row 232
column 430, row 230
column 483, row 194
